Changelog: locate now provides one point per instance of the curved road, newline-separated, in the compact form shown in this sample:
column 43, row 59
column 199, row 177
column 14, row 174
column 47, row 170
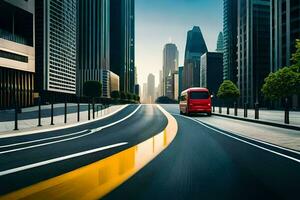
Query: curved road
column 29, row 159
column 206, row 163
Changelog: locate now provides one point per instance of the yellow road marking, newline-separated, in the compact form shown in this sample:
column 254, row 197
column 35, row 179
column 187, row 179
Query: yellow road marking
column 98, row 179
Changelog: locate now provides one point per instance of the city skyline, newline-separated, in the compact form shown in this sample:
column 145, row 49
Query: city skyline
column 152, row 34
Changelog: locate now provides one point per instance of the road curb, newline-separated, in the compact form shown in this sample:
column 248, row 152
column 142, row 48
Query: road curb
column 297, row 128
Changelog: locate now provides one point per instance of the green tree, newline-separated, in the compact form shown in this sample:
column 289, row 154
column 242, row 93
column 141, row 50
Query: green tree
column 123, row 95
column 286, row 81
column 129, row 96
column 228, row 91
column 115, row 94
column 92, row 89
column 282, row 84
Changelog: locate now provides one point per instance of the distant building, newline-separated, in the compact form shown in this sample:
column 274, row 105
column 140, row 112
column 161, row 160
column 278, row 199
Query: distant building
column 285, row 29
column 175, row 85
column 169, row 87
column 170, row 65
column 230, row 40
column 114, row 81
column 137, row 89
column 220, row 43
column 253, row 49
column 17, row 53
column 151, row 88
column 56, row 47
column 212, row 72
column 195, row 48
column 160, row 88
column 145, row 94
column 180, row 79
column 93, row 44
column 122, row 42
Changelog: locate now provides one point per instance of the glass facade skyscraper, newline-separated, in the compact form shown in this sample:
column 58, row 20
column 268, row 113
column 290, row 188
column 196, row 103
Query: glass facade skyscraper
column 93, row 44
column 220, row 43
column 56, row 31
column 195, row 48
column 122, row 42
column 230, row 40
column 253, row 49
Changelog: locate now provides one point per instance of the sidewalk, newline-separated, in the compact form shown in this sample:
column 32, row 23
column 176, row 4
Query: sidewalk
column 30, row 121
column 271, row 116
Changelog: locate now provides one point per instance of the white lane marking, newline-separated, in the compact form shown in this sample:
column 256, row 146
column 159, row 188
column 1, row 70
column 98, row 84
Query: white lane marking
column 61, row 127
column 73, row 138
column 249, row 143
column 46, row 162
column 40, row 140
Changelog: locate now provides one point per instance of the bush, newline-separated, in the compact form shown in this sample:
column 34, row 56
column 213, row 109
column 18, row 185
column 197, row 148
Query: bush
column 123, row 95
column 92, row 89
column 228, row 91
column 115, row 94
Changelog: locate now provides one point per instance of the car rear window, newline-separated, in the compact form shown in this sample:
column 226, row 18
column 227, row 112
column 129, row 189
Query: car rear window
column 199, row 95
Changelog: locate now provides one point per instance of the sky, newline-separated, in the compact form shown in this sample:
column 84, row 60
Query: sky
column 159, row 22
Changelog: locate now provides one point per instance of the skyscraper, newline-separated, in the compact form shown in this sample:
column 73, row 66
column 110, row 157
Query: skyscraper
column 93, row 44
column 195, row 48
column 170, row 65
column 220, row 43
column 56, row 32
column 122, row 42
column 285, row 29
column 17, row 53
column 151, row 88
column 253, row 49
column 180, row 79
column 230, row 20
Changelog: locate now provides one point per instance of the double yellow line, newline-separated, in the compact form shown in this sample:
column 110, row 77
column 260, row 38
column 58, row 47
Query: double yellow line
column 98, row 179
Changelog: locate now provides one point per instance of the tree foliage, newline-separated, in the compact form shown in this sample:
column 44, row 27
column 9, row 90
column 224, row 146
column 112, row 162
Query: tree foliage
column 115, row 94
column 92, row 89
column 123, row 95
column 286, row 81
column 228, row 90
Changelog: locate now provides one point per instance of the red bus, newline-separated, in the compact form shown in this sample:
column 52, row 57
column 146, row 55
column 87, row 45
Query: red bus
column 195, row 100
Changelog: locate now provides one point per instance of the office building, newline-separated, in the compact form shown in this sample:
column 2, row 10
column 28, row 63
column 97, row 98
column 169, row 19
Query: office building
column 230, row 20
column 56, row 32
column 220, row 43
column 93, row 44
column 151, row 88
column 17, row 53
column 169, row 86
column 285, row 27
column 144, row 96
column 195, row 48
column 114, row 81
column 253, row 49
column 175, row 85
column 137, row 89
column 180, row 79
column 122, row 42
column 212, row 72
column 160, row 88
column 170, row 65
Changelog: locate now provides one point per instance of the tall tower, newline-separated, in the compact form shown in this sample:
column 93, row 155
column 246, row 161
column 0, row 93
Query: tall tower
column 151, row 88
column 170, row 65
column 230, row 40
column 220, row 43
column 195, row 48
column 93, row 43
column 253, row 49
column 122, row 41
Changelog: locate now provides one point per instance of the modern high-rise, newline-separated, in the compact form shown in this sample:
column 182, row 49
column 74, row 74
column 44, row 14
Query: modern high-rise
column 212, row 72
column 253, row 49
column 180, row 79
column 220, row 43
column 175, row 84
column 230, row 20
column 122, row 42
column 285, row 27
column 195, row 48
column 17, row 53
column 160, row 88
column 56, row 34
column 151, row 88
column 170, row 65
column 93, row 44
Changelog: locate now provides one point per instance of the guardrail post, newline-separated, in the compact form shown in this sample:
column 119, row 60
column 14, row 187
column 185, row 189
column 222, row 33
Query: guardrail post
column 214, row 108
column 89, row 111
column 220, row 109
column 228, row 111
column 235, row 109
column 39, row 112
column 93, row 108
column 256, row 106
column 245, row 110
column 52, row 113
column 65, row 111
column 286, row 113
column 16, row 116
column 78, row 110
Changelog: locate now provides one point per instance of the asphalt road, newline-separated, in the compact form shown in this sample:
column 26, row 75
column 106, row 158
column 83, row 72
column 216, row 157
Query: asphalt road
column 206, row 163
column 29, row 159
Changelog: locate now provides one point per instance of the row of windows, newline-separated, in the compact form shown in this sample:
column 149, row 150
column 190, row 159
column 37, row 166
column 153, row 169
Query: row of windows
column 13, row 56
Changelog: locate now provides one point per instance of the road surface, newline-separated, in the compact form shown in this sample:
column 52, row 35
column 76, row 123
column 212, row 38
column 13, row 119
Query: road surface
column 205, row 163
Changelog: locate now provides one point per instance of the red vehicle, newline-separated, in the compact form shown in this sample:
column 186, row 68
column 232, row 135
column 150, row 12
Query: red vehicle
column 195, row 100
